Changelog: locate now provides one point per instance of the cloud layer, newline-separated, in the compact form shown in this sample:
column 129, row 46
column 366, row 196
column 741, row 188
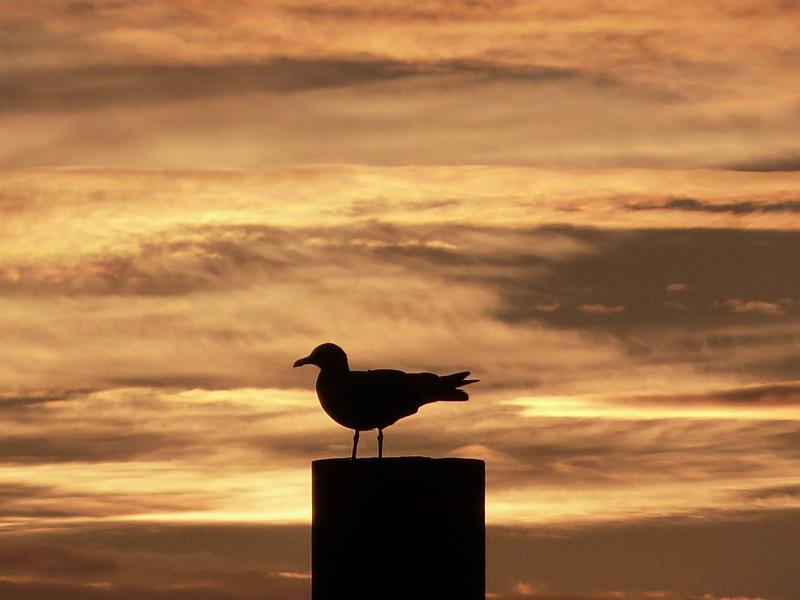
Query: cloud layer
column 593, row 207
column 130, row 85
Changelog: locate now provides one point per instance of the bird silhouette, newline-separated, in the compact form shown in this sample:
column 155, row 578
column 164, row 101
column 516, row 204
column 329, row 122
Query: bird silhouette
column 364, row 400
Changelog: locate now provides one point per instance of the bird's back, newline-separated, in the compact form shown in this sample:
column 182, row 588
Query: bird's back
column 369, row 399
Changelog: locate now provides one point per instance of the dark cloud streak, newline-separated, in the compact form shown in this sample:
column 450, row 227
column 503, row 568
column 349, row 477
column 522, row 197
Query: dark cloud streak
column 736, row 208
column 47, row 561
column 94, row 87
column 89, row 446
column 89, row 88
column 789, row 162
column 406, row 13
column 12, row 402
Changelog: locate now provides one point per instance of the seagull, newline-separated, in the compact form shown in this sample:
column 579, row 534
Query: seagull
column 364, row 400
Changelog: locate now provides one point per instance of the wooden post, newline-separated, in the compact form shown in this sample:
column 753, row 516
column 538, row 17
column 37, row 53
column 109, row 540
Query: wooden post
column 391, row 528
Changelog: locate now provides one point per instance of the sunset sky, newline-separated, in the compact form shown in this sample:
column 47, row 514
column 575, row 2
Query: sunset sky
column 594, row 206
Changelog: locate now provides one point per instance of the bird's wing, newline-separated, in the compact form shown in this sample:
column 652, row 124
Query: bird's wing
column 423, row 387
column 390, row 395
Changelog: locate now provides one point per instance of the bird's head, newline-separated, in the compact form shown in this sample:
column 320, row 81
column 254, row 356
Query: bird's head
column 327, row 357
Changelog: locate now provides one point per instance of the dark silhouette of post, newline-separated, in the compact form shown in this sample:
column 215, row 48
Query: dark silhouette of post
column 391, row 528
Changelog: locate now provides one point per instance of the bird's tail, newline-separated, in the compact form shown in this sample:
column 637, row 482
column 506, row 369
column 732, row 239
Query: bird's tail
column 451, row 383
column 458, row 379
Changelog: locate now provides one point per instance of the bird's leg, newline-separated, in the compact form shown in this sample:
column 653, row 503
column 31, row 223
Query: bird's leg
column 355, row 444
column 380, row 443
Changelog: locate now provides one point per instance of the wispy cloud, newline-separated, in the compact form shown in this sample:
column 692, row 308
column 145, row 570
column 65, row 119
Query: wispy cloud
column 738, row 208
column 90, row 88
column 788, row 162
column 652, row 92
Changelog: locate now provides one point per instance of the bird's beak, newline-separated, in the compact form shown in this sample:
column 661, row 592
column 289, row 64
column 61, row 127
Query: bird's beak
column 300, row 362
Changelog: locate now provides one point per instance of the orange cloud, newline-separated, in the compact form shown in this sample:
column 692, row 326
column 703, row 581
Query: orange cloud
column 601, row 309
column 677, row 287
column 769, row 309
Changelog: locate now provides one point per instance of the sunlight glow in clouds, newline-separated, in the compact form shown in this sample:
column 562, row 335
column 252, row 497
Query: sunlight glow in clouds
column 617, row 408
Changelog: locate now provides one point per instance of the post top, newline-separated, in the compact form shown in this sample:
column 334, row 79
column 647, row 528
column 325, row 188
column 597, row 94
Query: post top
column 399, row 462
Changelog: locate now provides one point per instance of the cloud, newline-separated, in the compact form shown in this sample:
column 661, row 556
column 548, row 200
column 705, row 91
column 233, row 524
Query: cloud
column 547, row 306
column 12, row 402
column 15, row 502
column 203, row 259
column 601, row 309
column 245, row 453
column 90, row 88
column 789, row 162
column 411, row 110
column 384, row 89
column 635, row 270
column 790, row 492
column 97, row 87
column 737, row 208
column 87, row 496
column 158, row 562
column 487, row 10
column 274, row 587
column 768, row 394
column 257, row 291
column 97, row 446
column 684, row 559
column 42, row 561
column 523, row 591
column 760, row 307
column 676, row 287
column 242, row 279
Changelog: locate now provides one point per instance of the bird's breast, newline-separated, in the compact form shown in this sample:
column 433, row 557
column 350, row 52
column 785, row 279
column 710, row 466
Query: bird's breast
column 348, row 401
column 333, row 394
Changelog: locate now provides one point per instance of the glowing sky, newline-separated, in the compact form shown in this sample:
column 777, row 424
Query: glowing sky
column 593, row 206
